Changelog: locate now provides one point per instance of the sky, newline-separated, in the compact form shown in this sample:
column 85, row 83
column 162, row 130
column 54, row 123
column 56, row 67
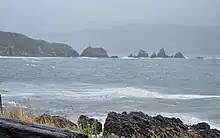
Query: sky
column 62, row 21
column 64, row 15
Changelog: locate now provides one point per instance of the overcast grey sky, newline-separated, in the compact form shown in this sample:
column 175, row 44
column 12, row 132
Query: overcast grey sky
column 64, row 15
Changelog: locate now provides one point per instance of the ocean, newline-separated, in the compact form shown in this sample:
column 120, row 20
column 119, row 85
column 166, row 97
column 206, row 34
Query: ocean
column 185, row 88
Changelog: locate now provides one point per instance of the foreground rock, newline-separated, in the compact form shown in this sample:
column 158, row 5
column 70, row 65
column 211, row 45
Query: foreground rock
column 204, row 131
column 179, row 55
column 162, row 54
column 137, row 124
column 57, row 121
column 89, row 124
column 142, row 53
column 94, row 52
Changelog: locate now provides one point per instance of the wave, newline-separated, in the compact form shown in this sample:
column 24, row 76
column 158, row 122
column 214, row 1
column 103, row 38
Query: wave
column 126, row 92
column 136, row 92
column 11, row 104
column 87, row 57
column 33, row 65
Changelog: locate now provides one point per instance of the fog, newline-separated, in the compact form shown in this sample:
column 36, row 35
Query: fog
column 66, row 20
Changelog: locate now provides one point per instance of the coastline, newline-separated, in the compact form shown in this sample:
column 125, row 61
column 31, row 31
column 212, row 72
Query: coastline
column 129, row 125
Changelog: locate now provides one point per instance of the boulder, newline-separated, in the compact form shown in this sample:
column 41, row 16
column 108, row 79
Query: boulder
column 154, row 55
column 131, row 55
column 204, row 131
column 89, row 125
column 199, row 57
column 114, row 56
column 142, row 53
column 57, row 121
column 179, row 55
column 162, row 54
column 137, row 124
column 94, row 52
column 202, row 126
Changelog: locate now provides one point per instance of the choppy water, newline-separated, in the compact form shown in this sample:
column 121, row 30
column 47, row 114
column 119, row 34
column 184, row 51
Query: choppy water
column 185, row 88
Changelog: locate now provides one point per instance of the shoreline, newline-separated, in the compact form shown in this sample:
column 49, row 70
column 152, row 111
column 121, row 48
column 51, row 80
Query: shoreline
column 135, row 123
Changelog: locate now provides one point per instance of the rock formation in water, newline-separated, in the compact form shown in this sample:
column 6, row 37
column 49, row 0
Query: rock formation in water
column 15, row 44
column 179, row 55
column 154, row 55
column 114, row 56
column 94, row 52
column 162, row 54
column 142, row 53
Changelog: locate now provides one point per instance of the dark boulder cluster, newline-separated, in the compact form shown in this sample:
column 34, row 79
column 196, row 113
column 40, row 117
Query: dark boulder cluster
column 160, row 54
column 133, row 125
column 139, row 125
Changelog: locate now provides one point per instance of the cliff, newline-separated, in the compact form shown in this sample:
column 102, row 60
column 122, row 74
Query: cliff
column 15, row 44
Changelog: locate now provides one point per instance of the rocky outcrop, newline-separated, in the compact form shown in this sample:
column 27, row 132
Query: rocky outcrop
column 142, row 53
column 137, row 124
column 15, row 44
column 114, row 56
column 94, row 52
column 162, row 54
column 154, row 55
column 89, row 124
column 205, row 131
column 57, row 121
column 179, row 55
column 131, row 55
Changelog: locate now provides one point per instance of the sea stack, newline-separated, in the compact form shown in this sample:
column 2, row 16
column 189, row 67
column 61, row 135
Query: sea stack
column 179, row 55
column 94, row 52
column 142, row 53
column 162, row 54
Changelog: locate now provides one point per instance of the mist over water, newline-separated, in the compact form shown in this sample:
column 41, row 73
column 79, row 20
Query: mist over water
column 185, row 88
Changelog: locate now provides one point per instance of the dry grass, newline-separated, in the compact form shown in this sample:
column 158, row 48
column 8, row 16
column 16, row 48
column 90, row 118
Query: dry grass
column 18, row 113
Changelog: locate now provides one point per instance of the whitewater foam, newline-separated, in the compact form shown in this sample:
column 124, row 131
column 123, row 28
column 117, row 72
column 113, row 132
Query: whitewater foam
column 136, row 92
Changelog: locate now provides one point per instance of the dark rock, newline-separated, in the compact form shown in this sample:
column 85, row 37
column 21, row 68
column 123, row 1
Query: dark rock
column 202, row 126
column 142, row 53
column 199, row 57
column 90, row 124
column 179, row 55
column 162, row 54
column 15, row 44
column 94, row 52
column 114, row 56
column 57, row 121
column 140, row 125
column 154, row 55
column 204, row 131
column 131, row 55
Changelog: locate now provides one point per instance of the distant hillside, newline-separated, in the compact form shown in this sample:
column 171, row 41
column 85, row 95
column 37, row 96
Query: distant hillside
column 15, row 44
